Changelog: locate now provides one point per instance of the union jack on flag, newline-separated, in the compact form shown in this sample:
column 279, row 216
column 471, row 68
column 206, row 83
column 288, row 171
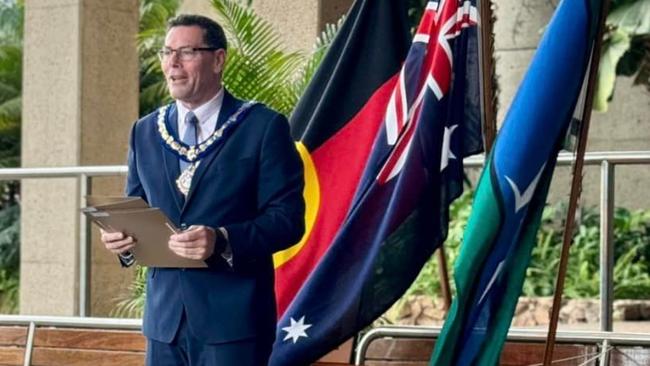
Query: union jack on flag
column 428, row 119
column 428, row 69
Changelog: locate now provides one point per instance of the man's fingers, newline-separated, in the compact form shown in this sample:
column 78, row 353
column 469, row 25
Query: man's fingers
column 195, row 232
column 121, row 249
column 110, row 237
column 188, row 251
column 185, row 244
column 120, row 246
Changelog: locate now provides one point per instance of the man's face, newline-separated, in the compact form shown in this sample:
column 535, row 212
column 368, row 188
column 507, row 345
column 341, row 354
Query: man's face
column 196, row 80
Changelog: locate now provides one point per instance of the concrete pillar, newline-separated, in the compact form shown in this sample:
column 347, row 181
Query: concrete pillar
column 298, row 22
column 518, row 29
column 80, row 95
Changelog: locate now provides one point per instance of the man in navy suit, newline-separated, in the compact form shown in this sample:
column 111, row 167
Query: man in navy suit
column 227, row 173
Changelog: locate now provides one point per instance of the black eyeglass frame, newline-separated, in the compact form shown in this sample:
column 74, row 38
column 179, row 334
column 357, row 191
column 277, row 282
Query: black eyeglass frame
column 162, row 56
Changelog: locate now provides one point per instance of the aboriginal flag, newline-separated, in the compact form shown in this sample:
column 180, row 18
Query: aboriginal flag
column 335, row 124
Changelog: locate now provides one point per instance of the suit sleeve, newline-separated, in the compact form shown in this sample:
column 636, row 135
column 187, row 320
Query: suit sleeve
column 133, row 188
column 280, row 222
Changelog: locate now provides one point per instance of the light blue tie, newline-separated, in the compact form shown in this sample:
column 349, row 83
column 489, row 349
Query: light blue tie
column 189, row 137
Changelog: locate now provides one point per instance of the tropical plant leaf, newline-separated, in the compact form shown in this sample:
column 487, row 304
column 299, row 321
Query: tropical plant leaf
column 257, row 66
column 613, row 49
column 154, row 15
column 11, row 21
column 10, row 111
column 632, row 18
column 321, row 46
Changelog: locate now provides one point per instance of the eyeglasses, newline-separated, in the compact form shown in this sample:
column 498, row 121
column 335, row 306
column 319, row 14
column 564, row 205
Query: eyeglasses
column 183, row 53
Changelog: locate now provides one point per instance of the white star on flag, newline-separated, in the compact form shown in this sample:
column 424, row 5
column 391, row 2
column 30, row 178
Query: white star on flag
column 296, row 329
column 446, row 148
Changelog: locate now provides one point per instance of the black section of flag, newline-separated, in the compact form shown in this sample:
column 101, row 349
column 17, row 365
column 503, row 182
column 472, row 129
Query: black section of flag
column 367, row 51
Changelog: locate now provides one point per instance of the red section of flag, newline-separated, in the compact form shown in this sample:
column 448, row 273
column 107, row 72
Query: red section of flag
column 339, row 163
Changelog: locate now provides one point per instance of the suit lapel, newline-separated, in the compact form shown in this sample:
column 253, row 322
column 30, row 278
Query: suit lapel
column 228, row 107
column 172, row 168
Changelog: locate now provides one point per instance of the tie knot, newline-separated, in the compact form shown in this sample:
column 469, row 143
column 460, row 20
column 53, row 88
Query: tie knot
column 190, row 119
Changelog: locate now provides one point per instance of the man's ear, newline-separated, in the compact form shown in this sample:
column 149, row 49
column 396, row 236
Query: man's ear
column 219, row 60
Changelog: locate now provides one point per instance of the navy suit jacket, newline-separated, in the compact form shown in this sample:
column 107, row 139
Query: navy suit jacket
column 251, row 185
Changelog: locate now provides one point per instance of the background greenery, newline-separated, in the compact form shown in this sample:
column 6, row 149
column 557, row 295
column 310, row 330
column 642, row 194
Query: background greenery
column 631, row 243
column 11, row 56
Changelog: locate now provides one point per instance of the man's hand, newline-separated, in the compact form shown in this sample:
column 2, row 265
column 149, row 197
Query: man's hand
column 197, row 242
column 117, row 242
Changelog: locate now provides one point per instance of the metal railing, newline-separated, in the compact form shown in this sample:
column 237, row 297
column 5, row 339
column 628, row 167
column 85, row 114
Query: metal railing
column 84, row 174
column 514, row 334
column 63, row 322
column 607, row 161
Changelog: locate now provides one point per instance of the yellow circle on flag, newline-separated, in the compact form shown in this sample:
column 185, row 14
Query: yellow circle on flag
column 311, row 194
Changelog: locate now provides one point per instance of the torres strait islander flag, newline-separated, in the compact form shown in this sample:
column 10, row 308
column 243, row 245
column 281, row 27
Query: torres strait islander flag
column 382, row 130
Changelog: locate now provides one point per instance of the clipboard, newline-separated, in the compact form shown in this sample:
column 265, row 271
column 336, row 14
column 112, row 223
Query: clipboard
column 148, row 226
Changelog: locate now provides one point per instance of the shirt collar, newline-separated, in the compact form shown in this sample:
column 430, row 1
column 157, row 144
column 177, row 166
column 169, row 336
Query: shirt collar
column 205, row 110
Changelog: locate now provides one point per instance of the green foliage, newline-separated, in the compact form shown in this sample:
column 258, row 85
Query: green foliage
column 428, row 281
column 11, row 34
column 9, row 258
column 132, row 305
column 11, row 27
column 258, row 67
column 631, row 243
column 632, row 254
column 8, row 292
column 626, row 48
column 154, row 15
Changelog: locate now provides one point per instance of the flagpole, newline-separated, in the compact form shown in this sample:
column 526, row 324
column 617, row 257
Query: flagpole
column 444, row 277
column 576, row 185
column 486, row 53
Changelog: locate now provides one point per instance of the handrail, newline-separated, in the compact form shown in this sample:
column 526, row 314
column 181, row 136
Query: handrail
column 72, row 321
column 514, row 334
column 591, row 158
column 62, row 172
column 33, row 321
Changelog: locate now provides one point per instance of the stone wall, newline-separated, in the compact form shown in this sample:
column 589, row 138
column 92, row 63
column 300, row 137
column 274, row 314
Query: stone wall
column 530, row 311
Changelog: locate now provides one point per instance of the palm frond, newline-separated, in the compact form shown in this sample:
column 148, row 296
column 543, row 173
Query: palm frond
column 132, row 304
column 154, row 15
column 321, row 46
column 258, row 67
column 10, row 113
column 11, row 67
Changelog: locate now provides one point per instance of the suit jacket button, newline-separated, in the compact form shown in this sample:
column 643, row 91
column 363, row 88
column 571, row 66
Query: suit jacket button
column 183, row 225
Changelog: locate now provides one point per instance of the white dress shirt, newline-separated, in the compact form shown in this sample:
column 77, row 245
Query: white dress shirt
column 207, row 114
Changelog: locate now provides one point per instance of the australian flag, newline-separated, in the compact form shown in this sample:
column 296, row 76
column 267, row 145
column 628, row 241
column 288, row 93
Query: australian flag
column 398, row 214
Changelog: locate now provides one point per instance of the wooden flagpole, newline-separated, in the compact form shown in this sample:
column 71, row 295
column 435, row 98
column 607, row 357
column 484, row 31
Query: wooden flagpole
column 488, row 72
column 576, row 185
